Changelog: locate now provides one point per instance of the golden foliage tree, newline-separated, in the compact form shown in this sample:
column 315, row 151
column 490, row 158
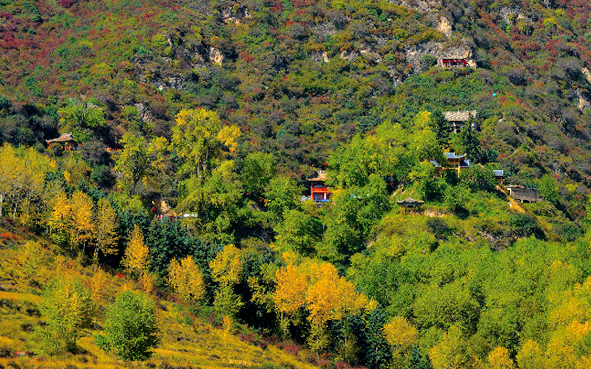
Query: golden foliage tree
column 451, row 351
column 530, row 356
column 499, row 359
column 226, row 268
column 400, row 333
column 186, row 279
column 136, row 253
column 60, row 219
column 105, row 230
column 319, row 289
column 82, row 223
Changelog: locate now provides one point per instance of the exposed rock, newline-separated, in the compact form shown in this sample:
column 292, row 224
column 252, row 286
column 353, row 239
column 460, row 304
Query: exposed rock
column 586, row 73
column 421, row 5
column 320, row 57
column 216, row 56
column 233, row 14
column 583, row 101
column 445, row 26
column 348, row 55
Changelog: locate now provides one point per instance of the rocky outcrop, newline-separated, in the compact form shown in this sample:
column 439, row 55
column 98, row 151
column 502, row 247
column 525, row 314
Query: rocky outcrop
column 416, row 54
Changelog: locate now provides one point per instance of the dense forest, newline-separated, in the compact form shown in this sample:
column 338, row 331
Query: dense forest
column 188, row 132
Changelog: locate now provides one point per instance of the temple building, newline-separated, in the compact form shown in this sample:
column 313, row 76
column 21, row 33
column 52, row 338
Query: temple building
column 319, row 192
column 458, row 119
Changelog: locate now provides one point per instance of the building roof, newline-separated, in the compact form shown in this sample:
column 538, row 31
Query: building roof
column 452, row 155
column 410, row 202
column 459, row 116
column 498, row 173
column 66, row 137
column 321, row 177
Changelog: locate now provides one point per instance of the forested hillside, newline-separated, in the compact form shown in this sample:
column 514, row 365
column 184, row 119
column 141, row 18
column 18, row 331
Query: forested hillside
column 188, row 132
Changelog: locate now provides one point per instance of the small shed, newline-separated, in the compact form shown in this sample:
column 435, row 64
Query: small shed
column 66, row 141
column 499, row 176
column 523, row 194
column 458, row 119
column 410, row 203
column 319, row 192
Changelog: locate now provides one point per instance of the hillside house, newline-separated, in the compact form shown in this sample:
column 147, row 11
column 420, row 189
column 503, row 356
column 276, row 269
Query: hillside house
column 454, row 162
column 458, row 119
column 499, row 176
column 453, row 63
column 66, row 141
column 319, row 192
column 524, row 194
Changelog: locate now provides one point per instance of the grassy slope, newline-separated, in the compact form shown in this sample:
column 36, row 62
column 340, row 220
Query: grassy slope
column 187, row 341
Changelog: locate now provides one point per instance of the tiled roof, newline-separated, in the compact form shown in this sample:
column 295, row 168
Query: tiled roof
column 452, row 155
column 459, row 116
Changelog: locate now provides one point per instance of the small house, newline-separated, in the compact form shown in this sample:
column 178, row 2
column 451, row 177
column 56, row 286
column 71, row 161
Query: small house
column 458, row 119
column 319, row 192
column 524, row 194
column 65, row 141
column 499, row 176
column 454, row 162
column 454, row 63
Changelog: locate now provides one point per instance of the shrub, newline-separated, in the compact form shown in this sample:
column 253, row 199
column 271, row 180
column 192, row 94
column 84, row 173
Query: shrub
column 131, row 327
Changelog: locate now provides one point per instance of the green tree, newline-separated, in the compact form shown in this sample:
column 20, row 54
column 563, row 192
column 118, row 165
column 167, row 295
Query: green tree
column 282, row 194
column 470, row 143
column 67, row 308
column 82, row 119
column 299, row 232
column 131, row 327
column 257, row 170
column 549, row 189
column 440, row 127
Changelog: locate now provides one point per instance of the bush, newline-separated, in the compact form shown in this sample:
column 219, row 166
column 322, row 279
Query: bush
column 131, row 327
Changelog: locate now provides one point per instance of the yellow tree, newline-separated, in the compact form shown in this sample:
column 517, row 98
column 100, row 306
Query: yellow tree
column 9, row 172
column 499, row 359
column 105, row 229
column 400, row 333
column 60, row 219
column 530, row 356
column 82, row 223
column 226, row 269
column 451, row 351
column 186, row 279
column 136, row 253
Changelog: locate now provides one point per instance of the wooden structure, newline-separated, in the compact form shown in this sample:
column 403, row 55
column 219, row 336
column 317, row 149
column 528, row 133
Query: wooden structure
column 458, row 119
column 454, row 63
column 410, row 203
column 524, row 194
column 319, row 192
column 499, row 176
column 454, row 162
column 66, row 141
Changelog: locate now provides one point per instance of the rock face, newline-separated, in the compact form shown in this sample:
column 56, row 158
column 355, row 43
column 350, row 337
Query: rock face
column 583, row 101
column 216, row 56
column 421, row 5
column 445, row 26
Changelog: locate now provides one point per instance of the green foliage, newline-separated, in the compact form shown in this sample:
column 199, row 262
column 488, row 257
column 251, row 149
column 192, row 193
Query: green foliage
column 131, row 327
